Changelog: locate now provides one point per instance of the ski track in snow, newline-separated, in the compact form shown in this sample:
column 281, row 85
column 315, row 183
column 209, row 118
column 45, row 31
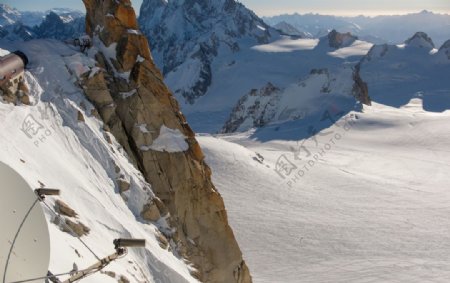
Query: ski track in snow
column 374, row 208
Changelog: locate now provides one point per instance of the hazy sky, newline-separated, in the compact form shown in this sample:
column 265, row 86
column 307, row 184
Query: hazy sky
column 272, row 7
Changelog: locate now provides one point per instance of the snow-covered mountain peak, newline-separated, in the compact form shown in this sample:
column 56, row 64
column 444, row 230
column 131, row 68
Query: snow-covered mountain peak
column 198, row 19
column 187, row 35
column 420, row 40
column 8, row 15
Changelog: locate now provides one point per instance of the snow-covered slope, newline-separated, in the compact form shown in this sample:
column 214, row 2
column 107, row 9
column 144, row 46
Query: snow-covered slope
column 397, row 73
column 58, row 142
column 367, row 203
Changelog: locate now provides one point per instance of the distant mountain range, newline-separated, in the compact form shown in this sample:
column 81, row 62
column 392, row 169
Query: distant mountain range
column 57, row 23
column 231, row 71
column 379, row 29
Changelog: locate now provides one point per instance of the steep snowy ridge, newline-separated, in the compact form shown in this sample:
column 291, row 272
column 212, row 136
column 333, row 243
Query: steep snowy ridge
column 87, row 164
column 187, row 36
column 8, row 15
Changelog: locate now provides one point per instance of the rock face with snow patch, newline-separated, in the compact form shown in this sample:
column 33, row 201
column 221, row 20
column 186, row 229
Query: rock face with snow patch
column 256, row 109
column 339, row 40
column 187, row 35
column 318, row 90
column 132, row 99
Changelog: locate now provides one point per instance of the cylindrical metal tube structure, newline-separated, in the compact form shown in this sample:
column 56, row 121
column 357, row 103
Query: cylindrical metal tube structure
column 12, row 66
column 48, row 192
column 129, row 243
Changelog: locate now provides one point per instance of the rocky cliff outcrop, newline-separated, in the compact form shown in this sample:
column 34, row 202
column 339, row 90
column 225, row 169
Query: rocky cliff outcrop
column 256, row 109
column 360, row 89
column 310, row 95
column 136, row 106
column 339, row 40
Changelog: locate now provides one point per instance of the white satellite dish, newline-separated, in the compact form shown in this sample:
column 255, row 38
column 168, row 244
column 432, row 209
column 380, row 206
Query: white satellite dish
column 25, row 254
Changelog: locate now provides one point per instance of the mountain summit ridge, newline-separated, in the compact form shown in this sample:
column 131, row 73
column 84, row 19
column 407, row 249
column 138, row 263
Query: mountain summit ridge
column 195, row 32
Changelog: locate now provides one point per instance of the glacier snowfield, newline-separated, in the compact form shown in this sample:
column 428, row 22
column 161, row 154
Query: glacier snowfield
column 373, row 208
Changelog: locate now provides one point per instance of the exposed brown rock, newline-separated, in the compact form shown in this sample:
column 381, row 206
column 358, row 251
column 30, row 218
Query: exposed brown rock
column 151, row 212
column 15, row 91
column 123, row 185
column 181, row 180
column 64, row 209
column 161, row 206
column 80, row 117
column 25, row 99
column 111, row 274
column 123, row 279
column 360, row 88
column 163, row 242
column 339, row 40
column 73, row 227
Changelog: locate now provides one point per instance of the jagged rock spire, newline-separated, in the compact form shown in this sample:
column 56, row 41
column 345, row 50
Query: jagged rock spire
column 130, row 93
